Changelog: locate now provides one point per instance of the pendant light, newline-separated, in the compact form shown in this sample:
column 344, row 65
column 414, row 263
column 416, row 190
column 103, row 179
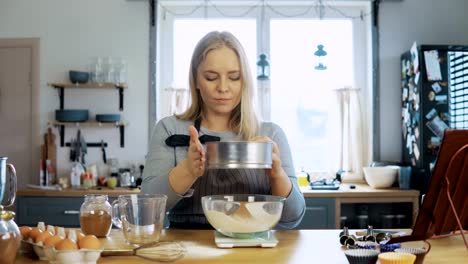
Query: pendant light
column 320, row 53
column 263, row 68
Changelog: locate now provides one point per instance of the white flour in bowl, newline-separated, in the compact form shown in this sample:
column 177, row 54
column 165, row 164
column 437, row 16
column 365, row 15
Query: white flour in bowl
column 258, row 221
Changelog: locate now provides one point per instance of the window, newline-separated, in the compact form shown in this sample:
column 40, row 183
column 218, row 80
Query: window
column 297, row 97
column 458, row 63
column 309, row 92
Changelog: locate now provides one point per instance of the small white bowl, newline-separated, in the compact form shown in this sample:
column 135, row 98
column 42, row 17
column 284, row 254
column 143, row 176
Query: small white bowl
column 381, row 177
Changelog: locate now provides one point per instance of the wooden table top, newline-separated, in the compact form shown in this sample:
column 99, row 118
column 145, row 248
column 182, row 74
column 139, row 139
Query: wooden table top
column 295, row 246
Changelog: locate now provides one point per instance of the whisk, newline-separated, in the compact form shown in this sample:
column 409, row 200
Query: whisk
column 165, row 251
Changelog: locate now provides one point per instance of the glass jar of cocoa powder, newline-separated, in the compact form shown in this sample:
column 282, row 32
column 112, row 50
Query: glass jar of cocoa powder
column 96, row 215
column 10, row 237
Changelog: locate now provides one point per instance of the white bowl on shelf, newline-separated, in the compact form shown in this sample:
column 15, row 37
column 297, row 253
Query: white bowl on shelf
column 381, row 177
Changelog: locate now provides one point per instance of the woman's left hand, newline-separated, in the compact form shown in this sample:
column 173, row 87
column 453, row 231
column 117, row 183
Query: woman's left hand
column 276, row 170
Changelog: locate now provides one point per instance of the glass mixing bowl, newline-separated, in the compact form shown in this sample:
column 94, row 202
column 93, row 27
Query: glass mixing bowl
column 242, row 215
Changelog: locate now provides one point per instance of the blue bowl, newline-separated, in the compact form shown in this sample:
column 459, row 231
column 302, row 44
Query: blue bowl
column 78, row 76
column 108, row 117
column 69, row 115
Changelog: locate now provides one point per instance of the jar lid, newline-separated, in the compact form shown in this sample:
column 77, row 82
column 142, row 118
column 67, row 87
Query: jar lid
column 6, row 215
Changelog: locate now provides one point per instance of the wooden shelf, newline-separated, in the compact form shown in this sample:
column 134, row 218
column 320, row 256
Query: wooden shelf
column 61, row 87
column 61, row 125
column 89, row 85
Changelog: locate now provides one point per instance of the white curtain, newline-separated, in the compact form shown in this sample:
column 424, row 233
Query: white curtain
column 264, row 99
column 176, row 101
column 348, row 141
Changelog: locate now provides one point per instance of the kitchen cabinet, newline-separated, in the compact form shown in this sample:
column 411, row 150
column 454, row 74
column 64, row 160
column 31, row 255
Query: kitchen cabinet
column 61, row 125
column 324, row 209
column 320, row 214
column 60, row 208
column 64, row 211
column 329, row 209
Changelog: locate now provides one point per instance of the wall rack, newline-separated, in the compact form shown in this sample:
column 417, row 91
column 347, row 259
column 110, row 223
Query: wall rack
column 61, row 126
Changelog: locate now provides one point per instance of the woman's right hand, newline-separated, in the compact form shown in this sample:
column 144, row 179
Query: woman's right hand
column 195, row 154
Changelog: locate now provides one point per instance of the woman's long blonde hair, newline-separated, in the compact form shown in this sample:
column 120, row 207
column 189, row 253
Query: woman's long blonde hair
column 244, row 119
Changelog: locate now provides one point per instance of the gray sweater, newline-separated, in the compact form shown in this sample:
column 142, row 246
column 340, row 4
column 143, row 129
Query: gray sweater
column 187, row 208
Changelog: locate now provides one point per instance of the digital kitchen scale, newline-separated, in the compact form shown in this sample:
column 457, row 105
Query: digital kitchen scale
column 265, row 239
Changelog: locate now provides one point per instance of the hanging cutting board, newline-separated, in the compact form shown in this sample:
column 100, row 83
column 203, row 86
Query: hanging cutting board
column 51, row 147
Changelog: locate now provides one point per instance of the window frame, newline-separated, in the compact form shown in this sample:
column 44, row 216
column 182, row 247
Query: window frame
column 363, row 45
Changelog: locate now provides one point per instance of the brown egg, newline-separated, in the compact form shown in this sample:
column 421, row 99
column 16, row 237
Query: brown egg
column 89, row 242
column 66, row 244
column 24, row 230
column 79, row 235
column 42, row 236
column 34, row 233
column 52, row 241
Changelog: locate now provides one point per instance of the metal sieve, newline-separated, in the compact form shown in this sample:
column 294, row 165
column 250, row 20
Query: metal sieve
column 238, row 155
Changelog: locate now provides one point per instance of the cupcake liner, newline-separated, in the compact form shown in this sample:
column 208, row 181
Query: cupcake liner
column 396, row 258
column 418, row 252
column 361, row 256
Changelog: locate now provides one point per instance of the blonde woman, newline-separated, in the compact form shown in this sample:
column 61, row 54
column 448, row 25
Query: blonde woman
column 221, row 108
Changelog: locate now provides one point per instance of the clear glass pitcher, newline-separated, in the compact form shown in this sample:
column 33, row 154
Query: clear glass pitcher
column 140, row 216
column 4, row 166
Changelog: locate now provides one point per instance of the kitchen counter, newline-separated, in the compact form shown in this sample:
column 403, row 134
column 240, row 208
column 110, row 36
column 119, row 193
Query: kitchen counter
column 362, row 190
column 295, row 246
column 77, row 192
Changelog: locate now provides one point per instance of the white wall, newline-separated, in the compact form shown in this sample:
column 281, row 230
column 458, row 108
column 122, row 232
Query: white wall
column 400, row 24
column 71, row 32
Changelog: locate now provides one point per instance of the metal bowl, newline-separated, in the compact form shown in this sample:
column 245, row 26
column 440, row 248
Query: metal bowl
column 238, row 155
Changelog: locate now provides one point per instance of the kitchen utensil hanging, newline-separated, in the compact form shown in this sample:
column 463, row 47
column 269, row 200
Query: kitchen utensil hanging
column 103, row 149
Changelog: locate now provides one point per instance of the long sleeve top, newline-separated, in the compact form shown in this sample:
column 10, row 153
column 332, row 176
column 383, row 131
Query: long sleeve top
column 187, row 208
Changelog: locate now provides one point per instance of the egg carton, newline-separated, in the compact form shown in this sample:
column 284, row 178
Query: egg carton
column 81, row 256
column 49, row 253
column 31, row 248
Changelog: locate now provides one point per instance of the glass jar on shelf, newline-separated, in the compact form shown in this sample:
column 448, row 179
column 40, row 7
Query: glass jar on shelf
column 96, row 70
column 120, row 71
column 96, row 215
